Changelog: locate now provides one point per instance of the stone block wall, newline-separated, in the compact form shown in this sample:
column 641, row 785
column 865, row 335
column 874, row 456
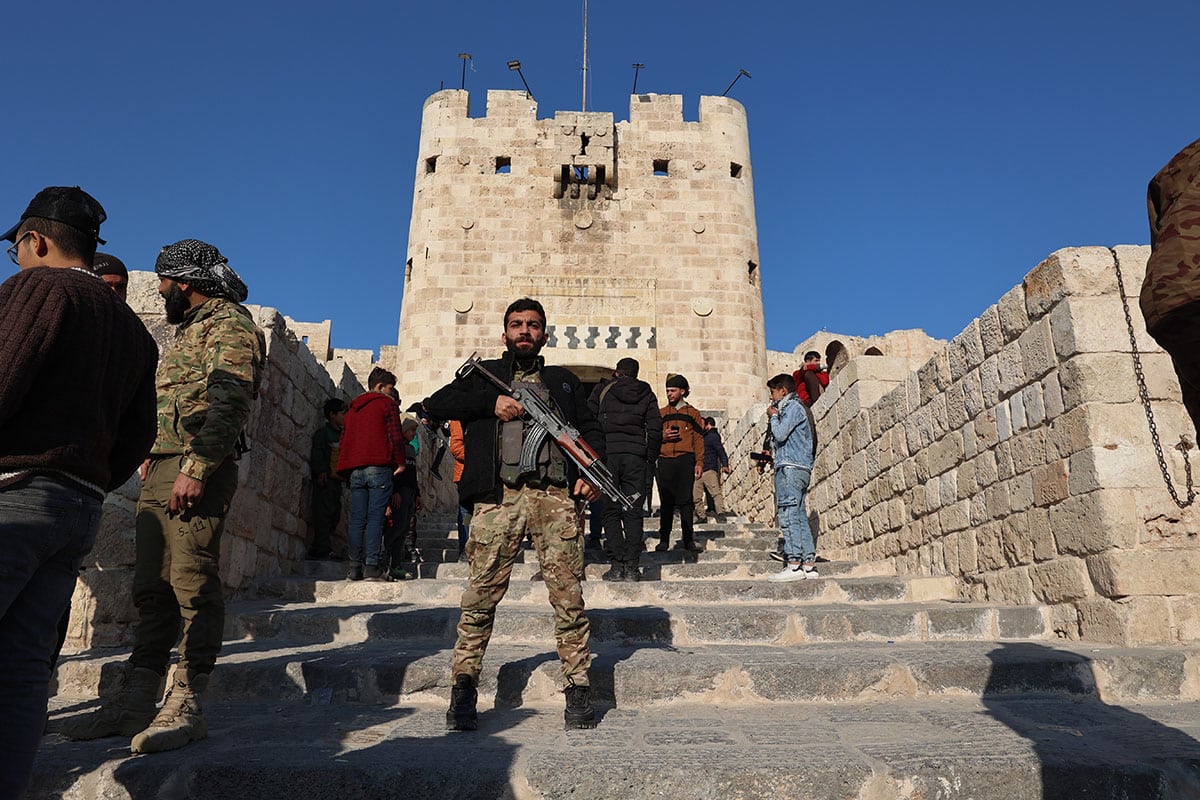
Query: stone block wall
column 266, row 530
column 1018, row 458
column 638, row 236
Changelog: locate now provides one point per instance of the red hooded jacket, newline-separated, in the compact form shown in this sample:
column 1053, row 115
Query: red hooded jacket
column 804, row 378
column 372, row 436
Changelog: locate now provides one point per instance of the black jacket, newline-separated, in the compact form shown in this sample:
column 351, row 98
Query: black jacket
column 472, row 401
column 628, row 416
column 715, row 457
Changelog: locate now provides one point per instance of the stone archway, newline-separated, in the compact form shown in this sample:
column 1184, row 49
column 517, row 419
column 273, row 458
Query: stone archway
column 836, row 356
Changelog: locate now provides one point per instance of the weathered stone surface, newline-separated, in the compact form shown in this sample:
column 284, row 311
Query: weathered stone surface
column 1146, row 572
column 1060, row 580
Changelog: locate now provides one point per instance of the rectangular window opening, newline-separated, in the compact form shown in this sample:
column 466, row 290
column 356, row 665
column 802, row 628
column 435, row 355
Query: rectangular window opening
column 580, row 174
column 304, row 339
column 408, row 269
column 735, row 169
column 431, row 165
column 752, row 270
column 503, row 165
column 661, row 167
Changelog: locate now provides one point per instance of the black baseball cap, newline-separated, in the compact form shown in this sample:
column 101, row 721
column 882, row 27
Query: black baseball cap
column 69, row 205
column 108, row 264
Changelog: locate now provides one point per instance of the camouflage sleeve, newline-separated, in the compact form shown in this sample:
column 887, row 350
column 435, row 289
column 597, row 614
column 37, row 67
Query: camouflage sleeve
column 235, row 357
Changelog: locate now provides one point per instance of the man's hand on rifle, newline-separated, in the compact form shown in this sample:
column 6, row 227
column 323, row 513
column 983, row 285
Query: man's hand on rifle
column 508, row 409
column 587, row 491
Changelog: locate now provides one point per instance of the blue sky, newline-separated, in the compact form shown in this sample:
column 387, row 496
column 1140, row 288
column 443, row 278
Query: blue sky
column 912, row 161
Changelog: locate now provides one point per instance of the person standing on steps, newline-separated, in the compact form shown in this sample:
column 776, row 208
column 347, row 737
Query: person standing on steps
column 716, row 464
column 372, row 452
column 792, row 440
column 76, row 419
column 508, row 503
column 327, row 486
column 207, row 380
column 680, row 464
column 628, row 414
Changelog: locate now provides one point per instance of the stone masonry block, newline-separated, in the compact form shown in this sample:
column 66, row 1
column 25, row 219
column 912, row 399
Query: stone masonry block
column 991, row 334
column 934, row 376
column 1127, row 621
column 1060, row 580
column 965, row 351
column 1013, row 317
column 1146, row 572
column 1016, row 411
column 1071, row 271
column 989, row 379
column 1035, row 409
column 1095, row 522
column 1037, row 350
column 1113, row 466
column 1050, row 483
column 968, row 552
column 1095, row 325
column 1015, row 540
column 1011, row 369
column 1011, row 586
column 972, row 394
column 1089, row 377
column 1052, row 398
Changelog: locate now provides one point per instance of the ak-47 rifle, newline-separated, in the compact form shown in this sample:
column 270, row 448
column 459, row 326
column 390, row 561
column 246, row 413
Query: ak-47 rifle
column 545, row 421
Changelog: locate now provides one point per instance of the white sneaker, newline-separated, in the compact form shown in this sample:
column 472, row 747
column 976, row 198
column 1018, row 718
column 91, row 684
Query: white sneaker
column 810, row 572
column 790, row 572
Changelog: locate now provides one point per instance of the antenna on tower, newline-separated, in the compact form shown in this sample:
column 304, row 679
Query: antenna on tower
column 738, row 77
column 585, row 53
column 636, row 69
column 465, row 58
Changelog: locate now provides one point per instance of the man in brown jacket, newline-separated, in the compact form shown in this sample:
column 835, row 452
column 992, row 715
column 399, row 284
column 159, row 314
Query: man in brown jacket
column 680, row 462
column 1171, row 292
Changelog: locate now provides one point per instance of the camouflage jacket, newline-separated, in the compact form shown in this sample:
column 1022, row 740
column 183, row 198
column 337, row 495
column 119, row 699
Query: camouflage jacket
column 207, row 379
column 1173, row 271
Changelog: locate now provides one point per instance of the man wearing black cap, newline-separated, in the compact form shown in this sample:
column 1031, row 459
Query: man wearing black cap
column 207, row 381
column 628, row 413
column 680, row 463
column 75, row 421
column 112, row 271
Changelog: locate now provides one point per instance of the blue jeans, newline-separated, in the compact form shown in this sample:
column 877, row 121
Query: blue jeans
column 46, row 529
column 370, row 492
column 791, row 485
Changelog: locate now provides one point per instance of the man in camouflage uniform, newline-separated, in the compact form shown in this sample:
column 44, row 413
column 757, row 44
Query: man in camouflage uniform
column 508, row 503
column 207, row 380
column 1171, row 292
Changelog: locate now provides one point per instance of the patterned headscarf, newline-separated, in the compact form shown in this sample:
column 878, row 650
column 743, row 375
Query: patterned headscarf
column 201, row 266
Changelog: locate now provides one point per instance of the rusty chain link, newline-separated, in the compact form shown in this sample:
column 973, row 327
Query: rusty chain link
column 1184, row 445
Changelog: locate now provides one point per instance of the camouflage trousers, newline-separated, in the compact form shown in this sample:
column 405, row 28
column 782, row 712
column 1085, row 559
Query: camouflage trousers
column 497, row 531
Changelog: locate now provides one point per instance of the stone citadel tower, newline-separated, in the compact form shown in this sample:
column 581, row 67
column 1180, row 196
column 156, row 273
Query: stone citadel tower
column 639, row 238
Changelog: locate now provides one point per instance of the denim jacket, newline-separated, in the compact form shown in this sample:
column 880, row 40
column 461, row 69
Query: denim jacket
column 792, row 435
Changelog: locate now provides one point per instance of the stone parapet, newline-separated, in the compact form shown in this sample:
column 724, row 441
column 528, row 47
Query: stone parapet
column 1017, row 458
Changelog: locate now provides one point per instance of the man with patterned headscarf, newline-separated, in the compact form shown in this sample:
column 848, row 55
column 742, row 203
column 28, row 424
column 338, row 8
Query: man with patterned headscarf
column 207, row 380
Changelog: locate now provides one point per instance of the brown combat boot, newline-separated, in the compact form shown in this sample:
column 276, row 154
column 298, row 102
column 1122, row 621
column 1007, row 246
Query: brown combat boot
column 180, row 721
column 128, row 709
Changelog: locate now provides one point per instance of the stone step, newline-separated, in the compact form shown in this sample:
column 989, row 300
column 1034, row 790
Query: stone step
column 998, row 748
column 600, row 593
column 664, row 676
column 674, row 565
column 679, row 625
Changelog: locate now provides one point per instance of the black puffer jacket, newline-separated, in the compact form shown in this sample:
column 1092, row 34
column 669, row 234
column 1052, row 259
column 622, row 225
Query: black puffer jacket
column 628, row 414
column 472, row 401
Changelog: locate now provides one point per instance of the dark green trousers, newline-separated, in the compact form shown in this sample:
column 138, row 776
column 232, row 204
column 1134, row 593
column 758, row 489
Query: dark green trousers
column 326, row 514
column 176, row 580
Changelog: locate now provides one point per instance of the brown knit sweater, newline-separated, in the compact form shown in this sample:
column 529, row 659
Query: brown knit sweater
column 691, row 430
column 76, row 378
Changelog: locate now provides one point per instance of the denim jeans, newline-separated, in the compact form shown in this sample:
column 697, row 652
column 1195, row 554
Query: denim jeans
column 370, row 492
column 791, row 485
column 46, row 529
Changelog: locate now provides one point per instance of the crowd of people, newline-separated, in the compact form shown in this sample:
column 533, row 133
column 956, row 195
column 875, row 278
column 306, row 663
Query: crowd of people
column 86, row 400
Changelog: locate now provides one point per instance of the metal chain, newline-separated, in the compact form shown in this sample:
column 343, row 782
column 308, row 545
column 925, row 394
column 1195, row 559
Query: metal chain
column 1184, row 445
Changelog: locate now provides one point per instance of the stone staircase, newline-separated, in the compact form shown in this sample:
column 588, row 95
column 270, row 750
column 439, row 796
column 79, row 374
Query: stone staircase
column 709, row 681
